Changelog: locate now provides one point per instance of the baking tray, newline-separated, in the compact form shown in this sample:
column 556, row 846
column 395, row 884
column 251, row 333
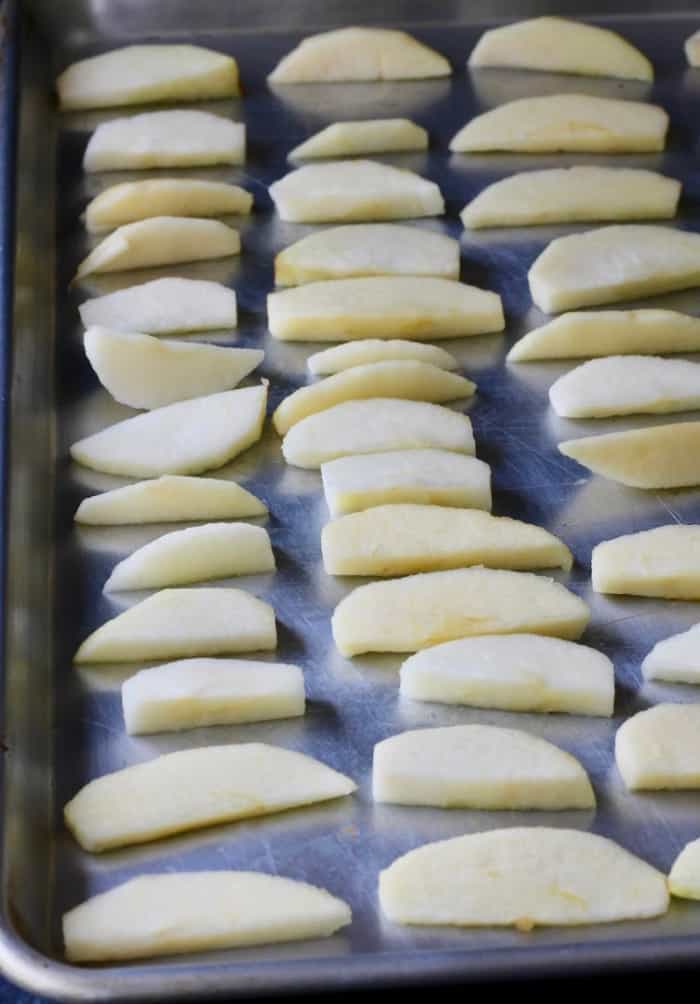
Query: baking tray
column 62, row 727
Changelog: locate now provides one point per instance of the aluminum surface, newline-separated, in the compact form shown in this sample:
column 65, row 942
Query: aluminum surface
column 63, row 727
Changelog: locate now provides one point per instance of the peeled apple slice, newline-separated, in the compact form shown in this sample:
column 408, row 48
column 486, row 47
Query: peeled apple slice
column 164, row 306
column 405, row 379
column 661, row 456
column 478, row 767
column 377, row 350
column 523, row 877
column 405, row 615
column 188, row 437
column 660, row 748
column 195, row 788
column 517, row 672
column 573, row 195
column 692, row 49
column 359, row 54
column 420, row 308
column 402, row 539
column 675, row 659
column 684, row 880
column 376, row 426
column 354, row 190
column 558, row 45
column 427, row 477
column 367, row 249
column 614, row 263
column 195, row 692
column 138, row 74
column 178, row 138
column 139, row 200
column 607, row 333
column 177, row 623
column 182, row 912
column 347, row 139
column 565, row 123
column 663, row 562
column 197, row 554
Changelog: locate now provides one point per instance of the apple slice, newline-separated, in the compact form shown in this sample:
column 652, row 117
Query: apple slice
column 565, row 123
column 573, row 195
column 420, row 308
column 675, row 659
column 182, row 912
column 404, row 379
column 607, row 333
column 402, row 539
column 661, row 456
column 195, row 692
column 354, row 190
column 614, row 263
column 359, row 54
column 377, row 350
column 405, row 615
column 195, row 788
column 197, row 554
column 177, row 138
column 138, row 74
column 376, row 426
column 367, row 249
column 523, row 877
column 692, row 49
column 662, row 562
column 558, row 45
column 660, row 748
column 147, row 372
column 177, row 623
column 427, row 477
column 348, row 139
column 188, row 437
column 170, row 499
column 684, row 880
column 139, row 200
column 163, row 306
column 517, row 672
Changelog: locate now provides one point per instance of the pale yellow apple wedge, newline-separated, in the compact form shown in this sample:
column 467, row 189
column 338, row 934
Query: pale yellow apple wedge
column 660, row 748
column 405, row 379
column 376, row 426
column 403, row 539
column 188, row 437
column 661, row 456
column 197, row 554
column 405, row 615
column 478, row 767
column 179, row 623
column 139, row 200
column 675, row 659
column 522, row 877
column 692, row 49
column 139, row 74
column 182, row 912
column 192, row 693
column 516, row 672
column 663, row 562
column 359, row 54
column 195, row 788
column 164, row 306
column 377, row 350
column 367, row 249
column 349, row 139
column 684, row 879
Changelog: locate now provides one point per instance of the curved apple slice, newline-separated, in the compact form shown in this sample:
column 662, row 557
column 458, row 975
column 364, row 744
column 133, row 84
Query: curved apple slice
column 692, row 49
column 684, row 880
column 675, row 659
column 377, row 350
column 139, row 200
column 163, row 306
column 660, row 748
column 348, row 139
column 663, row 562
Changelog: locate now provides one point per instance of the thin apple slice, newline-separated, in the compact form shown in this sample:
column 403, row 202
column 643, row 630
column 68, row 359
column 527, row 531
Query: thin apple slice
column 517, row 672
column 425, row 477
column 614, row 263
column 523, row 877
column 164, row 306
column 660, row 748
column 662, row 562
column 188, row 437
column 347, row 190
column 367, row 249
column 191, row 693
column 692, row 49
column 348, row 139
column 195, row 788
column 139, row 200
column 182, row 912
column 177, row 138
column 675, row 659
column 376, row 426
column 684, row 880
column 661, row 456
column 405, row 615
column 403, row 539
column 176, row 623
column 377, row 350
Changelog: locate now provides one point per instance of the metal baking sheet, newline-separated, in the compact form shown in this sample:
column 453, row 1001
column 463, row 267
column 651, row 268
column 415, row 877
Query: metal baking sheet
column 62, row 727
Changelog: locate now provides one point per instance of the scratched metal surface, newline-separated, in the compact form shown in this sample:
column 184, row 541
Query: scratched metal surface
column 64, row 727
